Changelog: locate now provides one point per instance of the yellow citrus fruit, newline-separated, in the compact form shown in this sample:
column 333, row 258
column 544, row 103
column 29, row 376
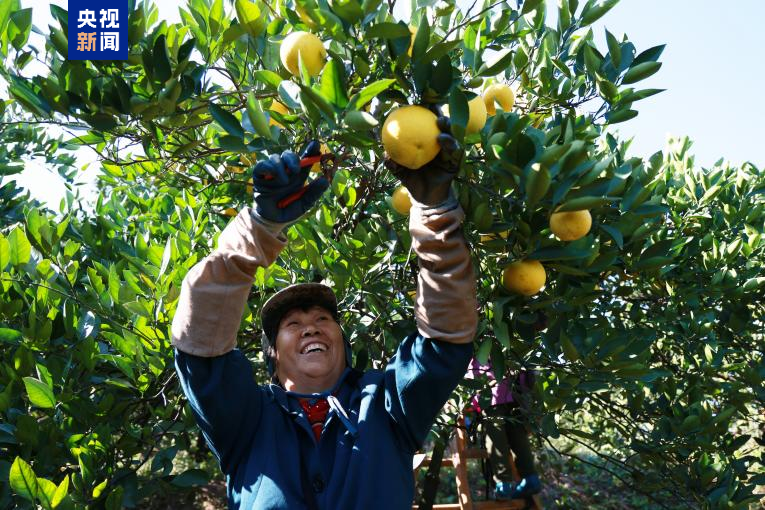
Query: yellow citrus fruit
column 413, row 31
column 401, row 201
column 477, row 110
column 410, row 136
column 571, row 225
column 316, row 167
column 502, row 94
column 230, row 211
column 277, row 107
column 310, row 49
column 525, row 277
column 249, row 186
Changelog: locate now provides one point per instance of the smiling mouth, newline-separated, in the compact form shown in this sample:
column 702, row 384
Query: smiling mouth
column 314, row 347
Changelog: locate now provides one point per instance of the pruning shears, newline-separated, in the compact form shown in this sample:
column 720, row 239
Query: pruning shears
column 326, row 169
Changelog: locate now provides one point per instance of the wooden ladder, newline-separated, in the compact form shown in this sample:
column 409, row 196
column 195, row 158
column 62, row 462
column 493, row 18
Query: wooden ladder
column 460, row 455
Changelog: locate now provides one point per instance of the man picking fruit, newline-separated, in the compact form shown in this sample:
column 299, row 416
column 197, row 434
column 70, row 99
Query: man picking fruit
column 323, row 435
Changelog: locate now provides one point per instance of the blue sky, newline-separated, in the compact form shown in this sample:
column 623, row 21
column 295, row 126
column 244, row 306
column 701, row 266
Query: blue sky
column 714, row 73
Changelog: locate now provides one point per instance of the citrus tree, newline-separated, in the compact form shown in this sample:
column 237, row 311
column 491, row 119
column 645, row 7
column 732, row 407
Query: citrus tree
column 631, row 285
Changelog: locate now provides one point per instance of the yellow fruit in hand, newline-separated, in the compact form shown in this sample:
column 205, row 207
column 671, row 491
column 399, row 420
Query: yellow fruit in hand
column 310, row 49
column 571, row 225
column 277, row 107
column 502, row 94
column 401, row 201
column 525, row 277
column 410, row 136
column 477, row 119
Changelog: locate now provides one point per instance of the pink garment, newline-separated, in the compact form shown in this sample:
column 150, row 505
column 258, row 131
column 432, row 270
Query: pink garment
column 501, row 393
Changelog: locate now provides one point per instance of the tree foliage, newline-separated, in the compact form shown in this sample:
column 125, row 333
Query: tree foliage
column 647, row 337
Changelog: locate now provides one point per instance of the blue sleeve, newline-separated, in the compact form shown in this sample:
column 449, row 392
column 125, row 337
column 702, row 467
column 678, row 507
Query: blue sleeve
column 419, row 380
column 225, row 399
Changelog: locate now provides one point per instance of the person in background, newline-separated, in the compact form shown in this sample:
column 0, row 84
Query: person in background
column 505, row 424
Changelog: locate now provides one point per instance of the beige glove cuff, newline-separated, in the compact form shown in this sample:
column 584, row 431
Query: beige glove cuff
column 446, row 306
column 215, row 290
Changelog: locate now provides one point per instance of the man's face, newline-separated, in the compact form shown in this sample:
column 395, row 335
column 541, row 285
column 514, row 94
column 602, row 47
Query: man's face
column 310, row 354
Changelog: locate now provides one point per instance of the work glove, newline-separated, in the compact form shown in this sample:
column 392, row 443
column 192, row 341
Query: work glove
column 431, row 183
column 280, row 192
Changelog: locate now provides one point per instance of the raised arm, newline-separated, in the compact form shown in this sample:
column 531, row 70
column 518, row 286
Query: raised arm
column 215, row 290
column 429, row 365
column 217, row 378
column 446, row 306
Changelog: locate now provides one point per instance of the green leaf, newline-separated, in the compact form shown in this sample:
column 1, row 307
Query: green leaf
column 649, row 55
column 537, row 184
column 592, row 60
column 191, row 478
column 530, row 5
column 227, row 121
column 571, row 251
column 319, row 101
column 615, row 233
column 161, row 60
column 23, row 480
column 640, row 72
column 333, row 83
column 440, row 49
column 499, row 63
column 616, row 116
column 482, row 354
column 10, row 336
column 5, row 253
column 20, row 249
column 23, row 92
column 607, row 89
column 360, row 120
column 215, row 19
column 593, row 13
column 368, row 93
column 387, row 30
column 421, row 41
column 18, row 27
column 257, row 117
column 638, row 95
column 459, row 113
column 568, row 347
column 39, row 393
column 614, row 50
column 581, row 203
column 268, row 78
column 252, row 15
column 232, row 143
column 45, row 492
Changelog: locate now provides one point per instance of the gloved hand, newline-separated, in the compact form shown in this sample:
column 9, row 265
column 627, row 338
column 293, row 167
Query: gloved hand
column 278, row 183
column 430, row 184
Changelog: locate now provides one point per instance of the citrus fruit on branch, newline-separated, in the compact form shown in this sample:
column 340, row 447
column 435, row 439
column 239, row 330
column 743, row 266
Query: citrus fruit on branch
column 305, row 46
column 570, row 225
column 525, row 277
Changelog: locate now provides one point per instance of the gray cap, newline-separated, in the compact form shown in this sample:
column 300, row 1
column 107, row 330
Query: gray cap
column 299, row 294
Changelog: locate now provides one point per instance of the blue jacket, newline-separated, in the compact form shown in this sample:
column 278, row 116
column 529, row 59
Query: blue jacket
column 268, row 451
